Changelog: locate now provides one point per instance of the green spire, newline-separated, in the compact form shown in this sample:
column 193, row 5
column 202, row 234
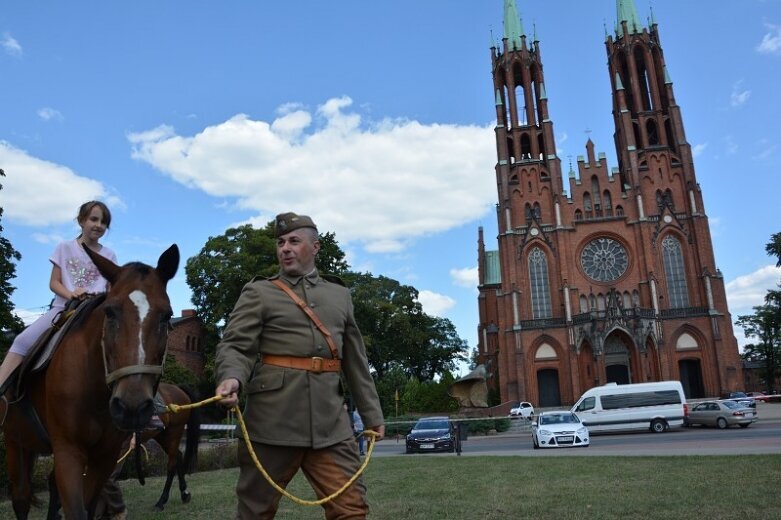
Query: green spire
column 513, row 26
column 619, row 85
column 626, row 11
column 667, row 79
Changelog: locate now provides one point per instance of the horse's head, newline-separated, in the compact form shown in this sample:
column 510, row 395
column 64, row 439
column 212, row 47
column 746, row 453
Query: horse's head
column 137, row 313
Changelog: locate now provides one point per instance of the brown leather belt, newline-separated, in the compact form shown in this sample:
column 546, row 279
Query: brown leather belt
column 313, row 364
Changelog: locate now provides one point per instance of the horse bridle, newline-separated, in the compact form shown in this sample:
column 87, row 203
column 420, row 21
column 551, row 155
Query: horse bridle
column 130, row 370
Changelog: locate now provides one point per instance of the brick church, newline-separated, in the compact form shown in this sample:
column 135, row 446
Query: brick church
column 606, row 274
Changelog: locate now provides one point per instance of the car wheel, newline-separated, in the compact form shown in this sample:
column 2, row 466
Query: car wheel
column 722, row 423
column 744, row 425
column 658, row 426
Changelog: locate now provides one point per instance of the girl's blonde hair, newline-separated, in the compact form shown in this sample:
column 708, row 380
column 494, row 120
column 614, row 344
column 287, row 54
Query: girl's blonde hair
column 87, row 207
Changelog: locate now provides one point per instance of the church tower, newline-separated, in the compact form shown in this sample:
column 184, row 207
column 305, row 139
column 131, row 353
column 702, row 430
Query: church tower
column 613, row 279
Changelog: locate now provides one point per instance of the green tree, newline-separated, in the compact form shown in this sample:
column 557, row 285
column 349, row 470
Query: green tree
column 10, row 324
column 398, row 333
column 765, row 326
column 177, row 374
column 773, row 247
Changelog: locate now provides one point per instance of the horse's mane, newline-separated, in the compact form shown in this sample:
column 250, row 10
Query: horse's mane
column 86, row 309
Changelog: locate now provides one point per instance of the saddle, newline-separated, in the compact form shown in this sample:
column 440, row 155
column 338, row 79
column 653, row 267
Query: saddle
column 43, row 349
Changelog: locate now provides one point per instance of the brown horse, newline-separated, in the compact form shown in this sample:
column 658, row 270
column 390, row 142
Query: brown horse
column 170, row 438
column 98, row 387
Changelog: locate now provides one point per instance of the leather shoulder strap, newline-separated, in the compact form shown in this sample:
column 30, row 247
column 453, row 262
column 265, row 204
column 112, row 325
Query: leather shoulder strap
column 312, row 316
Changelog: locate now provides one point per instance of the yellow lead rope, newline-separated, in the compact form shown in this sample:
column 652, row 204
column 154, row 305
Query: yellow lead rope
column 174, row 408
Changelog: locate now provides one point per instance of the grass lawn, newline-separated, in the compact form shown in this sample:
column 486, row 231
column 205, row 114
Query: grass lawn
column 437, row 487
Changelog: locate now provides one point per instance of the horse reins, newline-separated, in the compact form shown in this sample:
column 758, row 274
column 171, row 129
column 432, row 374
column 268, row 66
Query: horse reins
column 174, row 408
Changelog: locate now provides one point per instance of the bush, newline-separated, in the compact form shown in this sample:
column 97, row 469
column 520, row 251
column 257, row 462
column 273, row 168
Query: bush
column 403, row 428
column 483, row 426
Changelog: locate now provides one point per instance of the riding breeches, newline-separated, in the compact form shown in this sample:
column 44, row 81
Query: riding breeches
column 327, row 470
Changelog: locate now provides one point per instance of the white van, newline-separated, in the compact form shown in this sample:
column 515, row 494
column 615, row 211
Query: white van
column 612, row 407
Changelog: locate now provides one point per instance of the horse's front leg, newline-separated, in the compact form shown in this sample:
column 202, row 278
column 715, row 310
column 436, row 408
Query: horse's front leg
column 69, row 469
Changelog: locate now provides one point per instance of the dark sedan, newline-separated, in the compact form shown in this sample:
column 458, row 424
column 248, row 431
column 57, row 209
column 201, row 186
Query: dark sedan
column 432, row 434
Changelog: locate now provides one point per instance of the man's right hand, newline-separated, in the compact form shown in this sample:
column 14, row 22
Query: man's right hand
column 229, row 389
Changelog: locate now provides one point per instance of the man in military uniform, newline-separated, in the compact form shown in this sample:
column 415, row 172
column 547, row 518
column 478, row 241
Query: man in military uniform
column 289, row 367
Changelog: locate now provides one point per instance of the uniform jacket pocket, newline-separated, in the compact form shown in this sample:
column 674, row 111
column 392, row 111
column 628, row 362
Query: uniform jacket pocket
column 266, row 382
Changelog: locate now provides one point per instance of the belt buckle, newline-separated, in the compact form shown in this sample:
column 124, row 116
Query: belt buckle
column 317, row 365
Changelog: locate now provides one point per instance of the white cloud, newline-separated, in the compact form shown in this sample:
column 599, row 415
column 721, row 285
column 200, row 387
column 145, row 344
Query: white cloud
column 466, row 277
column 768, row 148
column 730, row 145
column 10, row 45
column 739, row 95
column 29, row 315
column 41, row 193
column 747, row 291
column 697, row 149
column 771, row 42
column 43, row 238
column 48, row 113
column 382, row 183
column 434, row 303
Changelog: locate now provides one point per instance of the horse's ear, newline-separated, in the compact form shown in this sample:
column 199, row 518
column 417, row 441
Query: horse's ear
column 168, row 263
column 107, row 268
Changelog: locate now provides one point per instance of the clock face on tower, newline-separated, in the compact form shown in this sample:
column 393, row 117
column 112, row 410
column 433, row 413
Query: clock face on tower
column 604, row 260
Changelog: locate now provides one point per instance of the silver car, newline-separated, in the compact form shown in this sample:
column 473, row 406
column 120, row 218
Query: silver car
column 722, row 414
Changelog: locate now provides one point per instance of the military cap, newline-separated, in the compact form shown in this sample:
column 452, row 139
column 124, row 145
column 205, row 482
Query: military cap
column 287, row 222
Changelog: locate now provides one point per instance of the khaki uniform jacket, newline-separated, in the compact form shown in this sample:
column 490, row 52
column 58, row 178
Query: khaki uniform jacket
column 291, row 407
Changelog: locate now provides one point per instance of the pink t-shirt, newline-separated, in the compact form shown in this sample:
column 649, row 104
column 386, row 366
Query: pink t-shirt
column 78, row 270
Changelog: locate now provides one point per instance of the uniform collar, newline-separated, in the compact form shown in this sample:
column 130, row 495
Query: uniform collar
column 312, row 277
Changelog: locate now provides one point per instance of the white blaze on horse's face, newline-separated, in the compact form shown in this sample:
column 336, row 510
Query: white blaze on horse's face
column 142, row 305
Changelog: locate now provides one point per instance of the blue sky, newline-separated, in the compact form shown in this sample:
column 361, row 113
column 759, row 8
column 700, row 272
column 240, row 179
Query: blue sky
column 376, row 118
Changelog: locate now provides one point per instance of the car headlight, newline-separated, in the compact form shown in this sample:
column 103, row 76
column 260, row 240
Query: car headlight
column 544, row 432
column 582, row 431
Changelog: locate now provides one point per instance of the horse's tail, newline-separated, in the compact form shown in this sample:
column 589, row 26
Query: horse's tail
column 193, row 434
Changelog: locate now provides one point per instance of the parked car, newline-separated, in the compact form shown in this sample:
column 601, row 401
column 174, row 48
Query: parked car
column 559, row 430
column 722, row 414
column 523, row 409
column 758, row 396
column 740, row 397
column 432, row 434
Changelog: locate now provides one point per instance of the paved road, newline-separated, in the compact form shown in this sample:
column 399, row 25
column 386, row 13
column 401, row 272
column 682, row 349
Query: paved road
column 762, row 437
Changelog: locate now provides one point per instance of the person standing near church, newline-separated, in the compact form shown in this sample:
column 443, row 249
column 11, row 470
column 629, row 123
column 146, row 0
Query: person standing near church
column 287, row 357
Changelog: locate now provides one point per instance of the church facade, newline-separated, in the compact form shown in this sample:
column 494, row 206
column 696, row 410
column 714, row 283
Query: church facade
column 606, row 274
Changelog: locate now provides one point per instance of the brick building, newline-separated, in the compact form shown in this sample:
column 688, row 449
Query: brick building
column 185, row 341
column 606, row 274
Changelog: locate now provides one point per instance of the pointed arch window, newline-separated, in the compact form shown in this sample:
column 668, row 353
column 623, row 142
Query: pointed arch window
column 541, row 145
column 652, row 132
column 608, row 202
column 539, row 284
column 678, row 292
column 587, row 205
column 526, row 146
